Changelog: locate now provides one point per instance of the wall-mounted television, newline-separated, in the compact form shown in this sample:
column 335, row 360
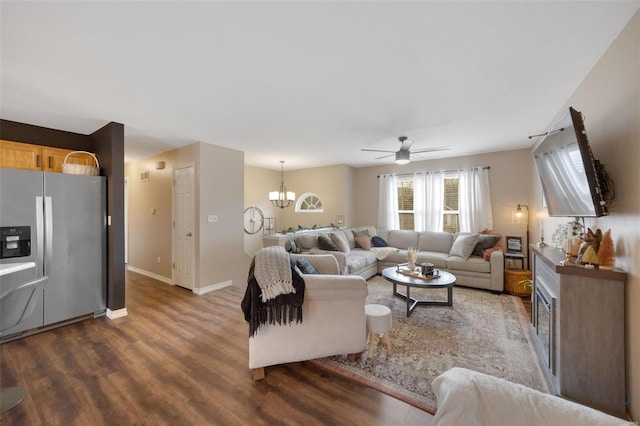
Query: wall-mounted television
column 574, row 183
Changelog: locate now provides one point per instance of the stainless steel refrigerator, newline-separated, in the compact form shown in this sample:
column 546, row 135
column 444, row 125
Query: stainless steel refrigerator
column 53, row 248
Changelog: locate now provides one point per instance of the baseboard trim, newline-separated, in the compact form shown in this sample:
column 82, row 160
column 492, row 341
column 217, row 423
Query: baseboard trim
column 118, row 313
column 212, row 287
column 151, row 275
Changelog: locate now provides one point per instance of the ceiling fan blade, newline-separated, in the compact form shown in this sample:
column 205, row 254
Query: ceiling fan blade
column 385, row 156
column 418, row 151
column 376, row 150
column 406, row 144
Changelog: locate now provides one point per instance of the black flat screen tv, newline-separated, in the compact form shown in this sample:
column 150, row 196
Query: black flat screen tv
column 572, row 179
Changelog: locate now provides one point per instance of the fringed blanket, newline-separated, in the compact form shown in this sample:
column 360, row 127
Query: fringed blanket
column 271, row 297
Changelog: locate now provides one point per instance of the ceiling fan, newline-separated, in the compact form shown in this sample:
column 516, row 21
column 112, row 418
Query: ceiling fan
column 403, row 155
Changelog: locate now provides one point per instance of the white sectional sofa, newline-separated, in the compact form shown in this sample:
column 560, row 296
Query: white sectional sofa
column 435, row 247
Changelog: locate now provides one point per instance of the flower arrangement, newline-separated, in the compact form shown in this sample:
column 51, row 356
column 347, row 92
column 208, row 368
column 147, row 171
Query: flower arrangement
column 412, row 256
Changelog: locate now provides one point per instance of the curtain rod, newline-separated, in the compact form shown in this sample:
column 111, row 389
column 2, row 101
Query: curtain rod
column 441, row 171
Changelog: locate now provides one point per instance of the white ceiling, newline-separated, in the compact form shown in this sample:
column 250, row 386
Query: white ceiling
column 307, row 82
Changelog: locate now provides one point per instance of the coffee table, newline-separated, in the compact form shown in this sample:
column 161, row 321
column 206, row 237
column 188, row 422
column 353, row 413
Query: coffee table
column 446, row 280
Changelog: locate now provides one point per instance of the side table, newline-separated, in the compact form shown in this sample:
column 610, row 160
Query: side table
column 514, row 256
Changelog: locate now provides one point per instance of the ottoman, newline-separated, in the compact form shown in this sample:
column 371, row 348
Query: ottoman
column 378, row 325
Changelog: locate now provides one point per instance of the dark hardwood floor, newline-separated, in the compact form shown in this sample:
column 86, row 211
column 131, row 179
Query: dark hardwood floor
column 177, row 359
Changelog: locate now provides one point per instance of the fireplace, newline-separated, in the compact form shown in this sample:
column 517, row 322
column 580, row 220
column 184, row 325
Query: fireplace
column 543, row 323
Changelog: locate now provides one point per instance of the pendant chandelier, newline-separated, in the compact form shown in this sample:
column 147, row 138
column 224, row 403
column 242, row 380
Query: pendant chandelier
column 282, row 198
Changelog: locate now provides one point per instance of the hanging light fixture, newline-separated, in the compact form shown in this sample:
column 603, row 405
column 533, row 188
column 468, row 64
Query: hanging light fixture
column 282, row 198
column 403, row 157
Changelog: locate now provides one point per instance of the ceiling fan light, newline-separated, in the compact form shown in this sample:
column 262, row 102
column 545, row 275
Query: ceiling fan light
column 402, row 157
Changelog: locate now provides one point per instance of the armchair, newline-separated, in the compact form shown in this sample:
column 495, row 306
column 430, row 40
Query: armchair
column 334, row 321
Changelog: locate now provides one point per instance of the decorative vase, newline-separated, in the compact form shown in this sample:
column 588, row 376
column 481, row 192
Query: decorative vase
column 412, row 265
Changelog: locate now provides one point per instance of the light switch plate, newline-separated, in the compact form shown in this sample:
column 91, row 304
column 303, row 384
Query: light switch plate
column 212, row 218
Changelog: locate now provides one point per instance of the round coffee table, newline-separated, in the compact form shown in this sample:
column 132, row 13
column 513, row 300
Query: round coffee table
column 446, row 279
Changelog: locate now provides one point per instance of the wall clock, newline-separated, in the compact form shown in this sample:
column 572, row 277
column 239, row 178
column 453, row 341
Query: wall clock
column 253, row 220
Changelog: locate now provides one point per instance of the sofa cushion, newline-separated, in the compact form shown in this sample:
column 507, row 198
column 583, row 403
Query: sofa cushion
column 325, row 243
column 463, row 245
column 403, row 239
column 438, row 259
column 369, row 256
column 485, row 242
column 382, row 234
column 305, row 267
column 356, row 263
column 308, row 241
column 377, row 241
column 472, row 264
column 340, row 241
column 435, row 241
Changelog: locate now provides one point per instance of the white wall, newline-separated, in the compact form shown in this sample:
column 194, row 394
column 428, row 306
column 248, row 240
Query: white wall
column 219, row 189
column 332, row 184
column 258, row 183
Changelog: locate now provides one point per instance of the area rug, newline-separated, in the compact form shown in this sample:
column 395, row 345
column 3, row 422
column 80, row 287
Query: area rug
column 482, row 331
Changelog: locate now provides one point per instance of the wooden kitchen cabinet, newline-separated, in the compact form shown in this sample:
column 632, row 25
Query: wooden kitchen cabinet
column 17, row 155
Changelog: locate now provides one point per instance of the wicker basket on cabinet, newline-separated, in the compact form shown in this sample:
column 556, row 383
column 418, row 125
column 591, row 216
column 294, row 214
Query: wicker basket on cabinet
column 81, row 169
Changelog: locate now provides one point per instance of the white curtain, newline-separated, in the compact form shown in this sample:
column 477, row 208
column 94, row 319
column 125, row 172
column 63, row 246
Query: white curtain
column 428, row 201
column 474, row 200
column 419, row 202
column 388, row 217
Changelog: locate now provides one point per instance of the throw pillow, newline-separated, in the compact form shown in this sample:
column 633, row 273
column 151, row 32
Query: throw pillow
column 305, row 267
column 364, row 241
column 307, row 241
column 325, row 243
column 340, row 242
column 463, row 246
column 378, row 242
column 293, row 248
column 360, row 233
column 485, row 242
column 486, row 255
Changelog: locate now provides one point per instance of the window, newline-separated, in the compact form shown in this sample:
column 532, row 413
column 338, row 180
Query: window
column 451, row 217
column 451, row 220
column 309, row 203
column 405, row 204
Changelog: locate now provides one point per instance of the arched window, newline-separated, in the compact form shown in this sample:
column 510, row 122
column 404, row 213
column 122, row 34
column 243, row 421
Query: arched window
column 309, row 203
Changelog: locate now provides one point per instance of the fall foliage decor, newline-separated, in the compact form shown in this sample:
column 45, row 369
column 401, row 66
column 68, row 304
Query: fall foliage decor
column 589, row 256
column 606, row 252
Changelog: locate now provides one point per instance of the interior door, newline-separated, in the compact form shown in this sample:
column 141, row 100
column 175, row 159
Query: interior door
column 184, row 232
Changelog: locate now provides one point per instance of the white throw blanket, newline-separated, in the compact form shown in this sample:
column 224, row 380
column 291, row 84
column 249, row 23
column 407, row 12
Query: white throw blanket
column 273, row 272
column 383, row 252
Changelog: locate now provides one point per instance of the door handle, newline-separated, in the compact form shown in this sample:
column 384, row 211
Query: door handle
column 189, row 234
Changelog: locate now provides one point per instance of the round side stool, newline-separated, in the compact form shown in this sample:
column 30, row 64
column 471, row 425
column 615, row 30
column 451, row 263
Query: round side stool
column 378, row 324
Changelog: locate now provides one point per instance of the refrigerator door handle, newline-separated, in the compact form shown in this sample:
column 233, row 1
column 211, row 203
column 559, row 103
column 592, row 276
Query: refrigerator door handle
column 39, row 236
column 48, row 226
